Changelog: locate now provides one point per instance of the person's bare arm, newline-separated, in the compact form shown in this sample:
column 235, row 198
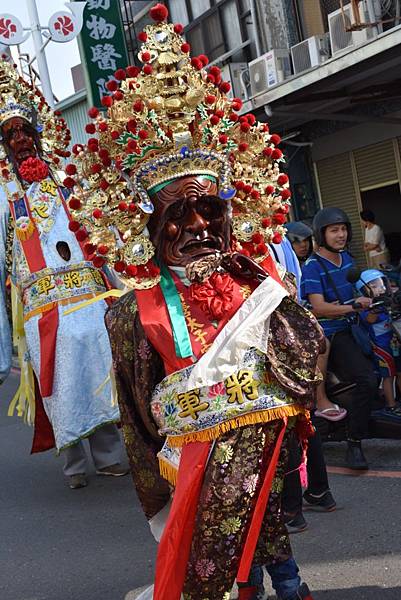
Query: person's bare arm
column 332, row 310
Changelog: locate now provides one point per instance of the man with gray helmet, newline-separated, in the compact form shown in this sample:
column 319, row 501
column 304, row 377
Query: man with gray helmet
column 326, row 288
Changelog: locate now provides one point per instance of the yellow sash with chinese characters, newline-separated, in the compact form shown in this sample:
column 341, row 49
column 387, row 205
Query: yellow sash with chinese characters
column 204, row 413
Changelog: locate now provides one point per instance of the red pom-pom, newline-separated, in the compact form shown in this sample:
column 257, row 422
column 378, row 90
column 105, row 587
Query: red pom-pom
column 204, row 59
column 185, row 47
column 77, row 148
column 74, row 204
column 282, row 179
column 247, row 189
column 132, row 207
column 214, row 119
column 219, row 113
column 285, row 194
column 103, row 126
column 257, row 238
column 133, row 71
column 261, row 248
column 143, row 134
column 103, row 153
column 96, row 168
column 142, row 36
column 93, row 112
column 99, row 261
column 267, row 151
column 102, row 249
column 118, row 95
column 147, row 69
column 112, row 85
column 89, row 248
column 265, row 128
column 104, row 184
column 233, row 117
column 178, row 28
column 132, row 145
column 239, row 185
column 279, row 219
column 266, row 222
column 115, row 135
column 225, row 87
column 236, row 104
column 71, row 169
column 69, row 182
column 119, row 266
column 275, row 139
column 145, row 56
column 122, row 206
column 74, row 226
column 210, row 99
column 138, row 106
column 120, row 74
column 158, row 13
column 81, row 235
column 33, row 169
column 97, row 213
column 215, row 70
column 211, row 78
column 90, row 128
column 131, row 125
column 269, row 190
column 276, row 154
column 255, row 194
column 131, row 270
column 277, row 238
column 245, row 127
column 107, row 101
column 243, row 146
column 223, row 139
column 196, row 63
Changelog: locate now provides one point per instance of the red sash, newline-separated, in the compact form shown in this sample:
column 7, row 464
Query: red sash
column 175, row 544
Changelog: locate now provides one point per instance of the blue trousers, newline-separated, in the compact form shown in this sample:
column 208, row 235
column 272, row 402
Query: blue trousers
column 284, row 576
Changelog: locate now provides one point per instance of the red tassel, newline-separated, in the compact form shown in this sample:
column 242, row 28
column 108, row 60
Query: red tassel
column 246, row 593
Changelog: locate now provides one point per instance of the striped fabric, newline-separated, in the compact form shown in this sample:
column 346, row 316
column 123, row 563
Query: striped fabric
column 315, row 281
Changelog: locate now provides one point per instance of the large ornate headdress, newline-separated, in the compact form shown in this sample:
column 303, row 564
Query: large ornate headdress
column 170, row 119
column 19, row 99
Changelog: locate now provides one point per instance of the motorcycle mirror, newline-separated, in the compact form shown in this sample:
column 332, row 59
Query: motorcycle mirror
column 353, row 275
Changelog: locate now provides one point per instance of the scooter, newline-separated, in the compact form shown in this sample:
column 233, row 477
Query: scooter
column 341, row 392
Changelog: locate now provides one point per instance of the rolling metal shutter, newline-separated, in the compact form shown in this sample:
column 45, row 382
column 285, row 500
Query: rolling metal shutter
column 337, row 188
column 376, row 165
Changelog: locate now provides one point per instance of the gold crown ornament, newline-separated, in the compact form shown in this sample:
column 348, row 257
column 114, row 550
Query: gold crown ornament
column 170, row 119
column 19, row 99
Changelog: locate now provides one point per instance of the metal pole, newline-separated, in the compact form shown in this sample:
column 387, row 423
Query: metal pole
column 39, row 51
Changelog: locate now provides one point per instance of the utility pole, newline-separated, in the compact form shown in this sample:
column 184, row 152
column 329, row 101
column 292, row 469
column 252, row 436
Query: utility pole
column 39, row 47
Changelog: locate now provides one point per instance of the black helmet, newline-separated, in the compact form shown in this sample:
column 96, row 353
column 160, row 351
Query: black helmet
column 298, row 231
column 329, row 216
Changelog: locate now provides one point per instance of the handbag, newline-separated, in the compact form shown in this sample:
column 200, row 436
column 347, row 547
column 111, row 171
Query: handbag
column 358, row 332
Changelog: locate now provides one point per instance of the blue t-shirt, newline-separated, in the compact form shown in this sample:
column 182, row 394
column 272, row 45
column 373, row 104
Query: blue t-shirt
column 315, row 281
column 380, row 332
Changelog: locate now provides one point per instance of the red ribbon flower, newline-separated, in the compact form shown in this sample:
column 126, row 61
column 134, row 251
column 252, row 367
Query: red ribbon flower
column 33, row 169
column 215, row 295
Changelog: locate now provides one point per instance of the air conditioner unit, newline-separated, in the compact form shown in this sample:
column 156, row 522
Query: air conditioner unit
column 310, row 53
column 232, row 72
column 269, row 70
column 342, row 40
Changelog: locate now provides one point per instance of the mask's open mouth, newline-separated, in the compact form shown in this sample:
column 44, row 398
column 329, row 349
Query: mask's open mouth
column 206, row 243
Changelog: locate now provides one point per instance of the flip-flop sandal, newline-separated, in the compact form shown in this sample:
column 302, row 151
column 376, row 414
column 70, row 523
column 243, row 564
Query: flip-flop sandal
column 341, row 413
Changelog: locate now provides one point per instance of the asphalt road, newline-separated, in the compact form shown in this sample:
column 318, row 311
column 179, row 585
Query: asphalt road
column 94, row 543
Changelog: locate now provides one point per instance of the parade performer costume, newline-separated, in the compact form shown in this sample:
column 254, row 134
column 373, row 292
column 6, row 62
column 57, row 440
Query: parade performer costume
column 215, row 363
column 65, row 359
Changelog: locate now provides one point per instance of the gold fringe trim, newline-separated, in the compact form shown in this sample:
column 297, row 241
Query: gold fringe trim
column 212, row 433
column 167, row 471
column 23, row 402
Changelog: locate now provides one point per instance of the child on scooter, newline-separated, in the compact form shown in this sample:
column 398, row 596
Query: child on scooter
column 386, row 347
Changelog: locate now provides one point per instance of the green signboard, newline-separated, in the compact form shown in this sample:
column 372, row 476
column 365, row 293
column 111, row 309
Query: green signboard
column 102, row 46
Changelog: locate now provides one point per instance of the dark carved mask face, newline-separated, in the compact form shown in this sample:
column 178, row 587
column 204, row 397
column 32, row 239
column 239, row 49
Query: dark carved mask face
column 189, row 222
column 19, row 137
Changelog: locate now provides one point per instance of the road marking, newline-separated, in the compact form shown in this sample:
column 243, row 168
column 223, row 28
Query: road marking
column 345, row 471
